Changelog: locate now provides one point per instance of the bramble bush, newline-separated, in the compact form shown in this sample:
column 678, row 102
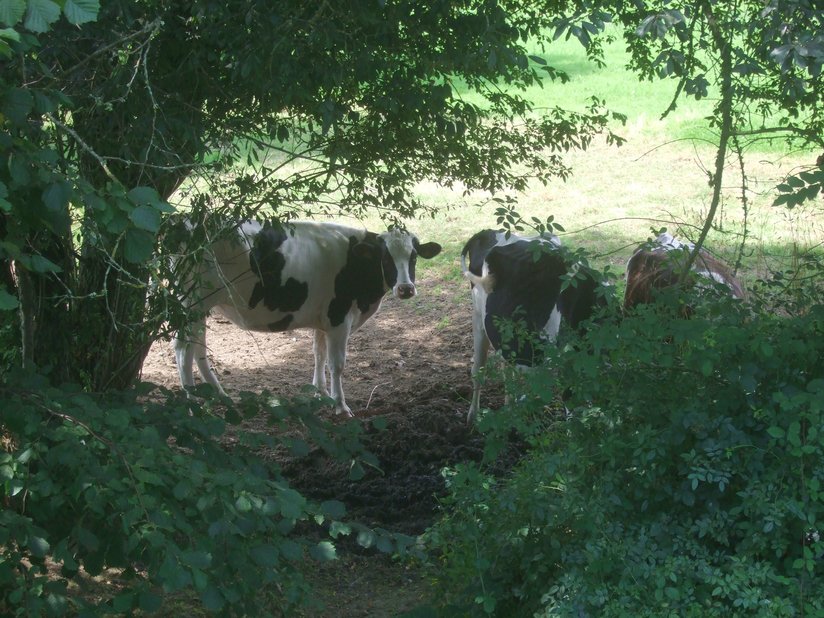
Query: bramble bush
column 144, row 481
column 686, row 482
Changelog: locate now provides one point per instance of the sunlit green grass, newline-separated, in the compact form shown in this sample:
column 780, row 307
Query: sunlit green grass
column 642, row 102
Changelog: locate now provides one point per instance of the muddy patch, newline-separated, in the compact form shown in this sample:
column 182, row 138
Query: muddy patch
column 408, row 365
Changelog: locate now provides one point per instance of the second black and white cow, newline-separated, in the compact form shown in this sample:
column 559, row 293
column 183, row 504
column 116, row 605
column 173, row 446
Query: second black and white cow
column 324, row 276
column 521, row 279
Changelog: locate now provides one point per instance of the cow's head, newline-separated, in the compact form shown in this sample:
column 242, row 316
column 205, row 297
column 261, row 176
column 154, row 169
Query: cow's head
column 400, row 250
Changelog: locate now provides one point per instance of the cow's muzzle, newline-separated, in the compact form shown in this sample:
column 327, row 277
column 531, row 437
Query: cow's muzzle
column 404, row 290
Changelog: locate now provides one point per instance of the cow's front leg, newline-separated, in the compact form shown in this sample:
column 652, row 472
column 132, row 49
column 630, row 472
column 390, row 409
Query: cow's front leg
column 336, row 340
column 319, row 347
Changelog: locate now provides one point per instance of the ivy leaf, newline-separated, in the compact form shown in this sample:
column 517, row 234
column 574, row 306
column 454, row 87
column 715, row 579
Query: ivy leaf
column 81, row 11
column 41, row 15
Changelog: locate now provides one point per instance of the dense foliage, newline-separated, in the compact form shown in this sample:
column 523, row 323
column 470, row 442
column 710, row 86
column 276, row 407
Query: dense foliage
column 142, row 482
column 687, row 481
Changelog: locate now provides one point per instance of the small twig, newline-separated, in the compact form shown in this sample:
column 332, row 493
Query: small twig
column 100, row 160
column 377, row 386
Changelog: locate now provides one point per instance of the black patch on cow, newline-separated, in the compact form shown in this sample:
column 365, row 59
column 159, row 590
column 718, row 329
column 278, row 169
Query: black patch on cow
column 267, row 263
column 477, row 247
column 390, row 272
column 526, row 290
column 282, row 324
column 364, row 279
column 579, row 302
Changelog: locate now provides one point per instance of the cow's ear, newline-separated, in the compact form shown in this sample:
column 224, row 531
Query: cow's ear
column 429, row 250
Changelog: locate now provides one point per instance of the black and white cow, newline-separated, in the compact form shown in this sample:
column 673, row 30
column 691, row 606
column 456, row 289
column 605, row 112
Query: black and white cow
column 323, row 276
column 656, row 266
column 513, row 279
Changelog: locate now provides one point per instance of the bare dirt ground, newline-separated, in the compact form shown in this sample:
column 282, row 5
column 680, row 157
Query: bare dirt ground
column 409, row 365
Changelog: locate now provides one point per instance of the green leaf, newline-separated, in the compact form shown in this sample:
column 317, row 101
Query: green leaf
column 356, row 472
column 39, row 264
column 291, row 504
column 7, row 301
column 143, row 195
column 88, row 539
column 11, row 11
column 366, row 538
column 794, row 433
column 145, row 218
column 122, row 603
column 776, row 432
column 16, row 104
column 323, row 551
column 57, row 195
column 265, row 555
column 41, row 15
column 150, row 602
column 138, row 246
column 197, row 559
column 81, row 11
column 706, row 367
column 38, row 546
column 243, row 504
column 290, row 550
column 212, row 599
column 333, row 509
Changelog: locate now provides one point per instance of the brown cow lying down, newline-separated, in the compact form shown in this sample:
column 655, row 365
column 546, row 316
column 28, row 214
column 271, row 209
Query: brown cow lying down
column 658, row 267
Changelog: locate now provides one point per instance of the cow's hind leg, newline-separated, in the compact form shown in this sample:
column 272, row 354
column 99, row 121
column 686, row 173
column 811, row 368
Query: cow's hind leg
column 184, row 359
column 191, row 346
column 336, row 341
column 480, row 353
column 319, row 347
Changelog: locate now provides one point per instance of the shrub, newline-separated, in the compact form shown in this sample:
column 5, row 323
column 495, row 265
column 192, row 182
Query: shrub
column 144, row 481
column 687, row 482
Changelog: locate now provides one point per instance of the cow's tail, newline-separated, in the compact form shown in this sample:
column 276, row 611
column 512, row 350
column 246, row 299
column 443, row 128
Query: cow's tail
column 464, row 268
column 487, row 282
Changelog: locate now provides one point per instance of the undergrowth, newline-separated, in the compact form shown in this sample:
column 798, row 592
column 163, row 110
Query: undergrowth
column 687, row 480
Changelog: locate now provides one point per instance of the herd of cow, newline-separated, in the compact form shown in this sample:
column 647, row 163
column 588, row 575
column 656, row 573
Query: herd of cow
column 332, row 278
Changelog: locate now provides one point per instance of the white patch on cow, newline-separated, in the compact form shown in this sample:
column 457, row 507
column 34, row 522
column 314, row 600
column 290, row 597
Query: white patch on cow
column 552, row 326
column 714, row 276
column 400, row 247
column 668, row 242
